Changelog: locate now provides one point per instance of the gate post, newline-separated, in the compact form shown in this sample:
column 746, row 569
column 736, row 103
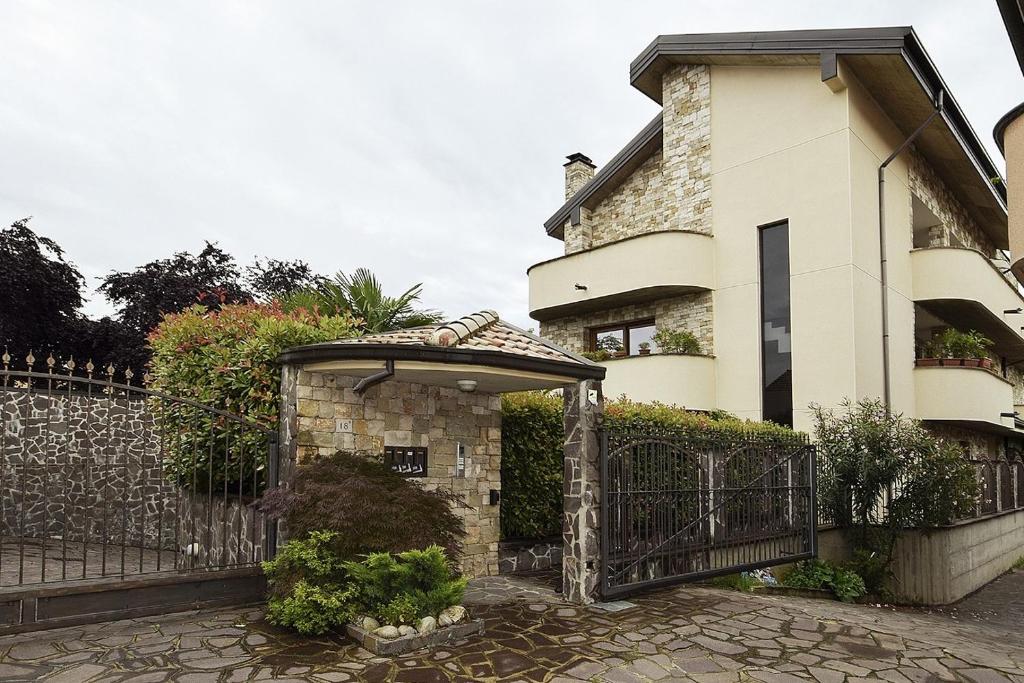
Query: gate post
column 581, row 499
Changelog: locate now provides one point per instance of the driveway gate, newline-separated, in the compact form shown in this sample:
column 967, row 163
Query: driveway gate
column 677, row 506
column 117, row 500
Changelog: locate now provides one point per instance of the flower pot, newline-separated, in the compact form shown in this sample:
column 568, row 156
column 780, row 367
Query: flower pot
column 971, row 362
column 986, row 363
column 621, row 354
column 645, row 352
column 927, row 362
column 951, row 362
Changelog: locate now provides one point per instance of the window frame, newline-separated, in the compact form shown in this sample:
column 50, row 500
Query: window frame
column 593, row 332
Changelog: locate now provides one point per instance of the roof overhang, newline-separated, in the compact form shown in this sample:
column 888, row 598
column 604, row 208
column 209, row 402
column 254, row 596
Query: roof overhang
column 494, row 371
column 1013, row 18
column 890, row 62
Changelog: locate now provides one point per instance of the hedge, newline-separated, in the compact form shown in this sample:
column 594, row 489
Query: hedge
column 531, row 451
column 226, row 359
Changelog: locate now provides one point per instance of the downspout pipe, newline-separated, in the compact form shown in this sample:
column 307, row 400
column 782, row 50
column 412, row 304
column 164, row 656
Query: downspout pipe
column 883, row 258
column 376, row 378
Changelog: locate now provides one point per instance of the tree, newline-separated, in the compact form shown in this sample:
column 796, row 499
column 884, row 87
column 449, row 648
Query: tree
column 363, row 296
column 40, row 292
column 145, row 294
column 272, row 279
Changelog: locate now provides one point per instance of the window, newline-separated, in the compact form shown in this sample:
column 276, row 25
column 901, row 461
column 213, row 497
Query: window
column 776, row 352
column 624, row 337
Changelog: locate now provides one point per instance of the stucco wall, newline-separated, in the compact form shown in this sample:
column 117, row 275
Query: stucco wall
column 940, row 566
column 330, row 416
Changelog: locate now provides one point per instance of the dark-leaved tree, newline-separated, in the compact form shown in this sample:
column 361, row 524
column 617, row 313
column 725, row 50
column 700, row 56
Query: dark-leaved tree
column 144, row 295
column 39, row 292
column 270, row 279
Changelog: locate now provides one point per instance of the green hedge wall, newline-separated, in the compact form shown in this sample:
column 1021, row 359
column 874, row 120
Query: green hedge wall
column 531, row 451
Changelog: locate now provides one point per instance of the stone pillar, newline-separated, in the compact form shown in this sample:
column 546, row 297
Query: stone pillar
column 686, row 155
column 287, row 448
column 581, row 500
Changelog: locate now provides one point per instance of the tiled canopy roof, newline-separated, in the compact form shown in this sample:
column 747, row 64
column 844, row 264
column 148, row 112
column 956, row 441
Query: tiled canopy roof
column 483, row 331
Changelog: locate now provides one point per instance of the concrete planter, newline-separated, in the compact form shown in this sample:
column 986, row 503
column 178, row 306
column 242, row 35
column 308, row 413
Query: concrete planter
column 403, row 644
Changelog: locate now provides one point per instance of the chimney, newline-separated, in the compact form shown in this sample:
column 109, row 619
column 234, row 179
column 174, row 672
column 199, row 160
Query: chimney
column 578, row 172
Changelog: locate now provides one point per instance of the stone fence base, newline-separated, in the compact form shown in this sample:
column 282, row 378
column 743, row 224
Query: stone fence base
column 529, row 555
column 942, row 565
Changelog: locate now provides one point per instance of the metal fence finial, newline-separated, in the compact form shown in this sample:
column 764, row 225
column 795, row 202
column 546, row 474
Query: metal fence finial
column 50, row 362
column 89, row 367
column 128, row 374
column 70, row 365
column 6, row 358
column 30, row 360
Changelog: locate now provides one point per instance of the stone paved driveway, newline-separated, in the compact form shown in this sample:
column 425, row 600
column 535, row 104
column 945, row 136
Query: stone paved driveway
column 681, row 634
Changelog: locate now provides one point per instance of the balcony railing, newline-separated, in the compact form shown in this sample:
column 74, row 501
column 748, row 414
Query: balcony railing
column 633, row 270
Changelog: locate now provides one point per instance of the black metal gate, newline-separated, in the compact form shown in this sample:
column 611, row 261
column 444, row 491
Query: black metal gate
column 678, row 506
column 103, row 480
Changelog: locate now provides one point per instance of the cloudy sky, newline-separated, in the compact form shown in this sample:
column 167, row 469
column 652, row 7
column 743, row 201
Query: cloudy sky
column 423, row 140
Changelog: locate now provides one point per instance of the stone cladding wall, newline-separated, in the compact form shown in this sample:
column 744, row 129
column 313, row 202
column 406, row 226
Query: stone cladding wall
column 329, row 416
column 529, row 556
column 693, row 312
column 956, row 228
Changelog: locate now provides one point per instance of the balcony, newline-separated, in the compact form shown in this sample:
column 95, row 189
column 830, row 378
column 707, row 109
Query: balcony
column 964, row 289
column 634, row 270
column 686, row 381
column 969, row 397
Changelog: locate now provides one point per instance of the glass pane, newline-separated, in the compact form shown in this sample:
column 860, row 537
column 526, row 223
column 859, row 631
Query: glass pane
column 777, row 358
column 639, row 335
column 609, row 340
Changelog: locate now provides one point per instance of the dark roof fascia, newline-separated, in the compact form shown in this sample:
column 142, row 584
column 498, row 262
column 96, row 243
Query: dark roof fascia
column 901, row 40
column 648, row 139
column 1013, row 19
column 843, row 41
column 1000, row 129
column 319, row 353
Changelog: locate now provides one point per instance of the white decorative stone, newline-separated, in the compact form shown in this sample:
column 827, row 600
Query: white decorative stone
column 452, row 615
column 368, row 624
column 387, row 632
column 427, row 625
column 406, row 631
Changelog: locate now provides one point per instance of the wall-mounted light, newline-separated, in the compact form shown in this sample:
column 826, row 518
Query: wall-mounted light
column 466, row 385
column 1014, row 414
column 1013, row 310
column 579, row 286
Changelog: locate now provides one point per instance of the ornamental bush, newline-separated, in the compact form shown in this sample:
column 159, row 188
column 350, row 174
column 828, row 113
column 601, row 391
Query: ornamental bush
column 226, row 359
column 366, row 506
column 532, row 435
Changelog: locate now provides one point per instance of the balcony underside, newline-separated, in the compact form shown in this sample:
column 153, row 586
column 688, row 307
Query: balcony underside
column 965, row 314
column 630, row 298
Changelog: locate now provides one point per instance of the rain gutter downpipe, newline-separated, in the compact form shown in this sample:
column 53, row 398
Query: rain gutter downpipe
column 377, row 377
column 883, row 262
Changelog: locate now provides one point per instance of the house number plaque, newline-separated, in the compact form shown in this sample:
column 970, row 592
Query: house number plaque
column 409, row 461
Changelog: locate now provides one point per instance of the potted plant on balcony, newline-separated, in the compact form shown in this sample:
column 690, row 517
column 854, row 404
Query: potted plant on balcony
column 677, row 341
column 645, row 348
column 952, row 347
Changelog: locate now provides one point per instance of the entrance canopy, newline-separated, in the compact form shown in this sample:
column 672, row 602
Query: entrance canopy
column 476, row 352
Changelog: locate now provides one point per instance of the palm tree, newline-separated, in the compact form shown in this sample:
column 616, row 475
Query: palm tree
column 363, row 297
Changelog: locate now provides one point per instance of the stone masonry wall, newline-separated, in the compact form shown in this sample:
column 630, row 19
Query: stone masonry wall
column 330, row 416
column 672, row 189
column 957, row 228
column 90, row 469
column 693, row 312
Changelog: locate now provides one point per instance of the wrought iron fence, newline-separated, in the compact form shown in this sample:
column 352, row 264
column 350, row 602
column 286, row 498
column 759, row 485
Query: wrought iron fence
column 103, row 478
column 679, row 506
column 1000, row 489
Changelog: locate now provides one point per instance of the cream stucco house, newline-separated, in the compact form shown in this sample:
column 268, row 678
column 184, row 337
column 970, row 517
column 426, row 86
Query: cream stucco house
column 747, row 212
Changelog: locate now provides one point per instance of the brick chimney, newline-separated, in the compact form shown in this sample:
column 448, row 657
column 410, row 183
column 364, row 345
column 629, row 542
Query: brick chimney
column 578, row 172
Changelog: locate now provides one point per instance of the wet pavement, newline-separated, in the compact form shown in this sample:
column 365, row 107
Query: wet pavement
column 680, row 634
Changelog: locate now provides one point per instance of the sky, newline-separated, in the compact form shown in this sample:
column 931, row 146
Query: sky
column 423, row 140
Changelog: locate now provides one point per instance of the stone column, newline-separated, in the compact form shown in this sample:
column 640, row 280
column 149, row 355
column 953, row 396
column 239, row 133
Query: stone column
column 581, row 519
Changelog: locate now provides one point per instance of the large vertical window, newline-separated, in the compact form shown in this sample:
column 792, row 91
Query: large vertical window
column 776, row 352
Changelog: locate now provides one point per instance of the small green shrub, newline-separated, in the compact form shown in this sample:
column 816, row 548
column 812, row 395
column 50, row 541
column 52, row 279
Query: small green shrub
column 844, row 583
column 368, row 508
column 226, row 359
column 1019, row 564
column 398, row 589
column 677, row 341
column 952, row 343
column 307, row 559
column 742, row 582
column 597, row 356
column 313, row 609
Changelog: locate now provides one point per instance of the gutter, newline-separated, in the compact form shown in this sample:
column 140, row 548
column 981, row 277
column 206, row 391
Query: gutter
column 376, row 378
column 883, row 258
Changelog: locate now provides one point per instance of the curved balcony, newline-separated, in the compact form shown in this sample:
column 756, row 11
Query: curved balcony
column 637, row 269
column 963, row 288
column 686, row 381
column 970, row 397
